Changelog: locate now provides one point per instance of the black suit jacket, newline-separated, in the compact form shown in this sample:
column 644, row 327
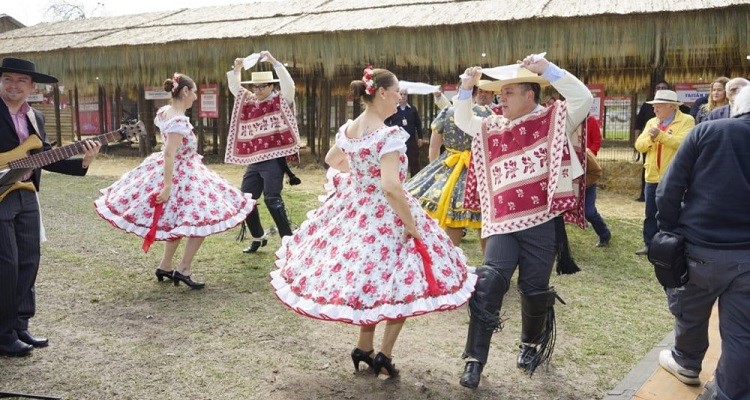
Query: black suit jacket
column 413, row 122
column 9, row 141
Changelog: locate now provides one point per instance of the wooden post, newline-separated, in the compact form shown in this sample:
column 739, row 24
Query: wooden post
column 118, row 106
column 71, row 110
column 77, row 113
column 325, row 118
column 223, row 122
column 102, row 112
column 140, row 105
column 58, row 125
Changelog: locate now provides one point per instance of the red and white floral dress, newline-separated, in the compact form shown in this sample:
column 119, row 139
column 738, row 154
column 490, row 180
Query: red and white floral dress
column 201, row 202
column 350, row 261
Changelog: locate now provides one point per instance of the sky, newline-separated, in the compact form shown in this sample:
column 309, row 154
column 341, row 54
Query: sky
column 31, row 12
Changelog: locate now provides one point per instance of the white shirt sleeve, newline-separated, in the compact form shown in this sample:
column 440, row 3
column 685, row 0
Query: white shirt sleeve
column 286, row 83
column 465, row 118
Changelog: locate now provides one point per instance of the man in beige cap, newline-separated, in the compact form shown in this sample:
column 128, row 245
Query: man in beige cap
column 526, row 161
column 263, row 131
column 659, row 140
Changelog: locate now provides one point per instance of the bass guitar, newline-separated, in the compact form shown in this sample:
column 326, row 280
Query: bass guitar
column 15, row 164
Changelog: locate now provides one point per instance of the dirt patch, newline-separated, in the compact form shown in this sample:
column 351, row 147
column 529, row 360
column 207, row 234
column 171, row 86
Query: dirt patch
column 117, row 333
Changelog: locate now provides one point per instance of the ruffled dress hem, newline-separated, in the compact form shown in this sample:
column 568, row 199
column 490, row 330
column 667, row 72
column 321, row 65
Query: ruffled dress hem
column 185, row 231
column 370, row 316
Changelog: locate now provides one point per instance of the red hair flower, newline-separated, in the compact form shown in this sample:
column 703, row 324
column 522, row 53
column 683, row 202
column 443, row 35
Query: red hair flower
column 367, row 79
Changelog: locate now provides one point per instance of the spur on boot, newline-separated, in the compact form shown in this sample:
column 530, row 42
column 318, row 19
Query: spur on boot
column 526, row 357
column 161, row 274
column 472, row 374
column 382, row 362
column 186, row 279
column 361, row 356
column 256, row 244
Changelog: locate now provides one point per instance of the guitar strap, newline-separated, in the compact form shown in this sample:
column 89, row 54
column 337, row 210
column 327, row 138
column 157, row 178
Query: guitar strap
column 42, row 231
column 32, row 118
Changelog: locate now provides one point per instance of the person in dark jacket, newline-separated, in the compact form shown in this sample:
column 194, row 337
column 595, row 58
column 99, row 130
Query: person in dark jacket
column 704, row 196
column 22, row 131
column 407, row 117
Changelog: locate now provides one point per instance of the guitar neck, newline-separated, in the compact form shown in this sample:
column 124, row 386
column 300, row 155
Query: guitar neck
column 44, row 158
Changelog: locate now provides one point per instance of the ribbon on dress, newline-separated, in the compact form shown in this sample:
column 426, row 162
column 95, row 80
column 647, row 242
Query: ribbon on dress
column 458, row 160
column 432, row 286
column 148, row 240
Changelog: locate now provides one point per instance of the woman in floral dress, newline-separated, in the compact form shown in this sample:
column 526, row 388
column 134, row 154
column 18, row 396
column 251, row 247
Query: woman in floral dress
column 356, row 259
column 172, row 194
column 441, row 186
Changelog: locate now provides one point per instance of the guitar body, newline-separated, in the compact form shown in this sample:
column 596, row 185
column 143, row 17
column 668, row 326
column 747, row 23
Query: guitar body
column 9, row 178
column 31, row 143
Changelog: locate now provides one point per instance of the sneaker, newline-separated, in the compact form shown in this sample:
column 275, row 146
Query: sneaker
column 684, row 375
column 643, row 251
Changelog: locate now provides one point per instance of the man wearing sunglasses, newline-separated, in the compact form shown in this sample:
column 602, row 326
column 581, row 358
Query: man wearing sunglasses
column 263, row 131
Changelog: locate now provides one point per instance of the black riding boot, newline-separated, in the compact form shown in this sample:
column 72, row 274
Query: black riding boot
column 256, row 231
column 484, row 310
column 278, row 212
column 537, row 329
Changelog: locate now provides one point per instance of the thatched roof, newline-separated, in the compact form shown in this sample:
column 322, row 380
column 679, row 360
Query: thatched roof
column 8, row 23
column 619, row 43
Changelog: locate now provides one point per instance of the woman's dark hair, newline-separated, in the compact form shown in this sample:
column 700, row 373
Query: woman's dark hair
column 380, row 78
column 176, row 84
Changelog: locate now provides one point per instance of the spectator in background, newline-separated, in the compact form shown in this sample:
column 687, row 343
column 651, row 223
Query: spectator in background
column 441, row 187
column 699, row 102
column 733, row 87
column 407, row 117
column 716, row 99
column 645, row 113
column 593, row 174
column 712, row 215
column 660, row 139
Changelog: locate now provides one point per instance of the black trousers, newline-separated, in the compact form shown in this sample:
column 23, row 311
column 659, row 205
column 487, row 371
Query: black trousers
column 532, row 252
column 19, row 261
column 266, row 177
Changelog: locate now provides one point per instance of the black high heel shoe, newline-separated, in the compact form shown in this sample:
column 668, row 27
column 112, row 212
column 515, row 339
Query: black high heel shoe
column 161, row 274
column 177, row 277
column 380, row 362
column 359, row 356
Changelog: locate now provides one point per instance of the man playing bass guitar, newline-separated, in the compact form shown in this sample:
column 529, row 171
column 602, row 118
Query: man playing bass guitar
column 20, row 226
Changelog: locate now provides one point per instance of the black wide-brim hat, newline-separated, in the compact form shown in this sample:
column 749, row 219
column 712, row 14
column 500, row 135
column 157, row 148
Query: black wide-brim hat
column 25, row 67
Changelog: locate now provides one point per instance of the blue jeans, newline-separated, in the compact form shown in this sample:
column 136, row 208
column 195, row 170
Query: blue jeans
column 649, row 223
column 593, row 216
column 723, row 275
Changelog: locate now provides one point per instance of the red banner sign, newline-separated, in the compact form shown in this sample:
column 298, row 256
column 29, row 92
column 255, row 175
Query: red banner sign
column 208, row 100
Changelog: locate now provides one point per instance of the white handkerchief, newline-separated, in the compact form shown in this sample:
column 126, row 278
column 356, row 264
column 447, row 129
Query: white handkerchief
column 507, row 71
column 418, row 87
column 251, row 60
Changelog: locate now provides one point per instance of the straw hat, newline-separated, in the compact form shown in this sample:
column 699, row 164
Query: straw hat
column 665, row 97
column 259, row 78
column 25, row 67
column 520, row 75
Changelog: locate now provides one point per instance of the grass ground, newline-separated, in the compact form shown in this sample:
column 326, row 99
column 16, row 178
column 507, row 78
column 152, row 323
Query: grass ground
column 117, row 333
